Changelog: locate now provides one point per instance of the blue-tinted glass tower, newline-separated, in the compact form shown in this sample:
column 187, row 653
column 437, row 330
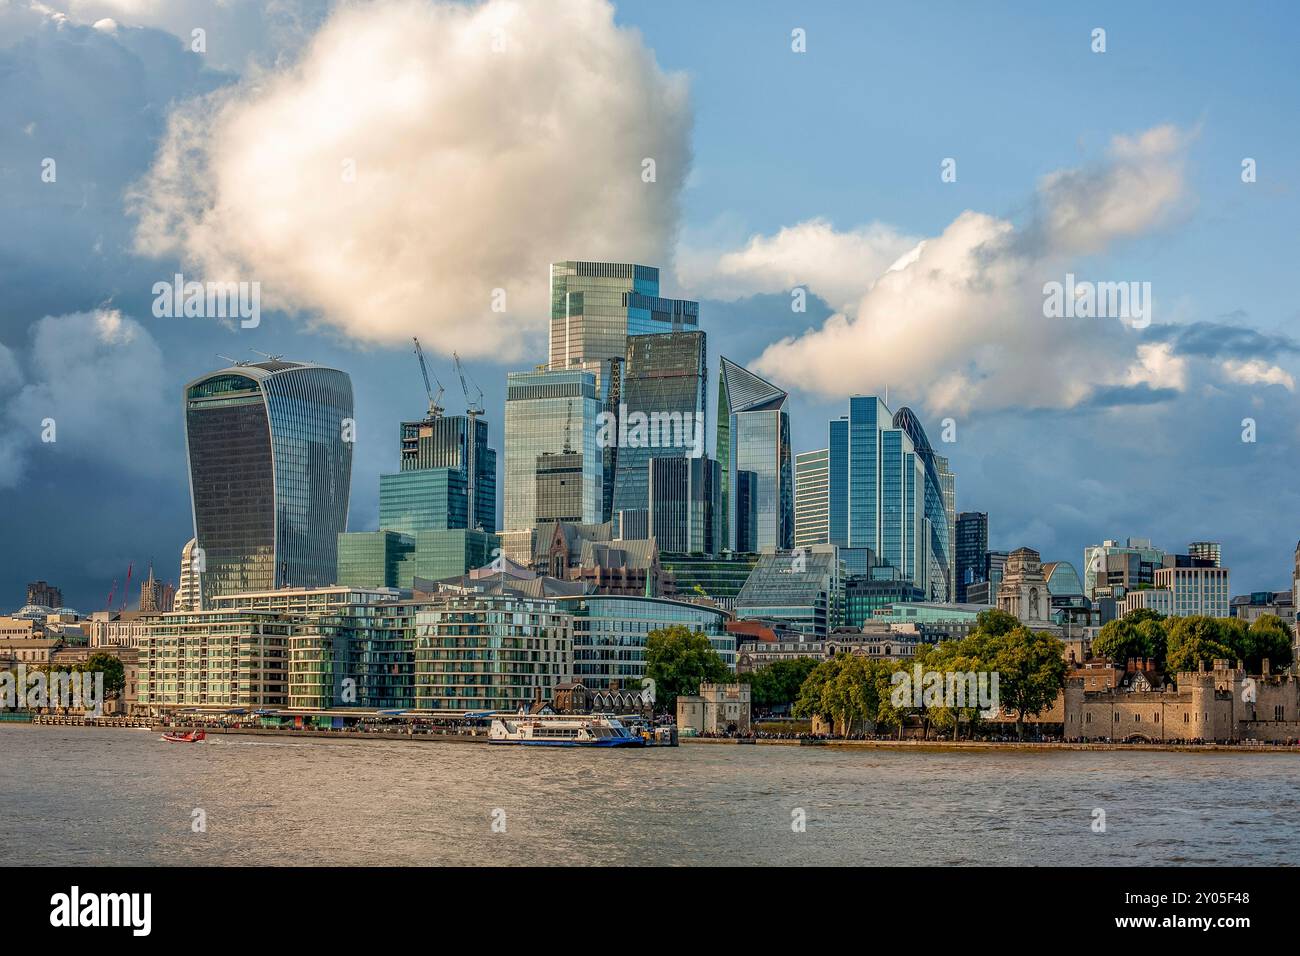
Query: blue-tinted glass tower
column 755, row 463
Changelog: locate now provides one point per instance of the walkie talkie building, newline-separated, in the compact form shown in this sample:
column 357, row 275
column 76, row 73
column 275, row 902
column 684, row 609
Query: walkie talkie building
column 270, row 462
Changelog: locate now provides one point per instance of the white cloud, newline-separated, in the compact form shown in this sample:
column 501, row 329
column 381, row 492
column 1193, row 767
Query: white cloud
column 959, row 318
column 100, row 377
column 475, row 168
column 837, row 265
column 1257, row 372
column 238, row 34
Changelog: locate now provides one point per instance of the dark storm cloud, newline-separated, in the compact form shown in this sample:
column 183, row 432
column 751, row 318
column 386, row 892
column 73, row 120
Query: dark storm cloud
column 1219, row 340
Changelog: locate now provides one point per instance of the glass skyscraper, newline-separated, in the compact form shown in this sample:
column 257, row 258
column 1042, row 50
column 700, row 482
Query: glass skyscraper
column 595, row 306
column 270, row 468
column 890, row 496
column 754, row 462
column 970, row 550
column 444, row 442
column 423, row 500
column 812, row 498
column 550, row 412
column 664, row 380
column 683, row 496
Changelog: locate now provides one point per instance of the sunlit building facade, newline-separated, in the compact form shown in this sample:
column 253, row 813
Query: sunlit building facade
column 550, row 412
column 812, row 500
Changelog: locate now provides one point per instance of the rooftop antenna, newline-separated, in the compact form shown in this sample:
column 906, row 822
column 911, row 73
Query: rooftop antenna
column 435, row 409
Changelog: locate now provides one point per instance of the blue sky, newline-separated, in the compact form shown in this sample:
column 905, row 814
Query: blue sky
column 1065, row 435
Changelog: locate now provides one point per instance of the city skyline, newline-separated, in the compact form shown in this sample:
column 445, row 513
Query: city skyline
column 1092, row 433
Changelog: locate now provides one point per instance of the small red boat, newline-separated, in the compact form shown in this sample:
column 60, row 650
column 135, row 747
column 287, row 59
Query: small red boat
column 192, row 737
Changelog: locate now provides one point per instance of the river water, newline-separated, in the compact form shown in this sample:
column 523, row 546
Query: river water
column 116, row 797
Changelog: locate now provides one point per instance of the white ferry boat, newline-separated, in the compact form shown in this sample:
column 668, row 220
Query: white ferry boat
column 562, row 730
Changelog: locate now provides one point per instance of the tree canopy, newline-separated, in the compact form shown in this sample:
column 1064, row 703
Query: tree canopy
column 679, row 661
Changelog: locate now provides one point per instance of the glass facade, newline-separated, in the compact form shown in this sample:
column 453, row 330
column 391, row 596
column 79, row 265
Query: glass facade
column 372, row 559
column 610, row 633
column 804, row 591
column 683, row 494
column 444, row 442
column 754, row 436
column 485, row 652
column 664, row 380
column 837, row 483
column 550, row 412
column 891, row 495
column 717, row 578
column 970, row 549
column 426, row 500
column 377, row 559
column 560, row 487
column 595, row 306
column 863, row 596
column 812, row 498
column 270, row 474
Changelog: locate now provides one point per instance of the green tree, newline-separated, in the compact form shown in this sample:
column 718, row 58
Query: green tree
column 995, row 623
column 778, row 683
column 842, row 691
column 887, row 715
column 1155, row 637
column 1196, row 640
column 1031, row 672
column 1119, row 640
column 114, row 672
column 1268, row 639
column 973, row 654
column 679, row 661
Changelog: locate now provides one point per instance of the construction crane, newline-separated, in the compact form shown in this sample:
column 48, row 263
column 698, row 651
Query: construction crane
column 435, row 409
column 474, row 410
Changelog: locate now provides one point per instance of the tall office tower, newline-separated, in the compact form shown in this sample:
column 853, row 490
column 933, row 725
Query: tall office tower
column 44, row 594
column 995, row 567
column 560, row 487
column 662, row 390
column 550, row 412
column 1206, row 551
column 948, row 480
column 595, row 308
column 1115, row 565
column 445, row 442
column 889, row 497
column 270, row 460
column 971, row 545
column 757, row 489
column 837, row 482
column 812, row 498
column 683, row 499
column 188, row 594
column 935, row 526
